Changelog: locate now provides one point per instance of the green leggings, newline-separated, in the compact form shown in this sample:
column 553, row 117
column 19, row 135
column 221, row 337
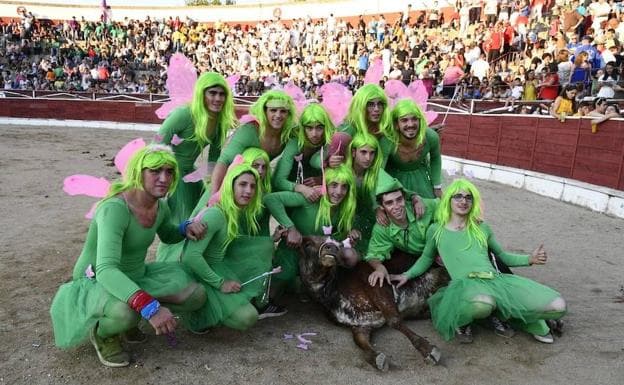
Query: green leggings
column 243, row 318
column 119, row 317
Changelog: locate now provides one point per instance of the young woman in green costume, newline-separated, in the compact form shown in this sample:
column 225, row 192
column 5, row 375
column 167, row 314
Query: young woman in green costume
column 416, row 161
column 235, row 213
column 274, row 122
column 112, row 287
column 188, row 129
column 294, row 171
column 476, row 290
column 334, row 211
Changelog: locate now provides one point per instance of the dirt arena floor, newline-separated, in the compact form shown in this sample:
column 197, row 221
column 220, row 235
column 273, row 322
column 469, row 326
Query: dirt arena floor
column 43, row 231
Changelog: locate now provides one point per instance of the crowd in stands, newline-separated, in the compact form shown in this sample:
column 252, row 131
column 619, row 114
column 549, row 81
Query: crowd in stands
column 493, row 49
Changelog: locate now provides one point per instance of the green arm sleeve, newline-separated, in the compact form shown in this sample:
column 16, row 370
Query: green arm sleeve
column 245, row 136
column 510, row 259
column 276, row 203
column 167, row 231
column 112, row 222
column 435, row 157
column 193, row 255
column 284, row 167
column 174, row 124
column 426, row 259
column 380, row 245
column 315, row 160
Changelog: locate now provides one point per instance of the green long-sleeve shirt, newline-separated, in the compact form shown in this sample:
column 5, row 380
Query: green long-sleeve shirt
column 459, row 259
column 117, row 244
column 285, row 172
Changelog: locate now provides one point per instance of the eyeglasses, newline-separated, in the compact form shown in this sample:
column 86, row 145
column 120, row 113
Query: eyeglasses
column 460, row 197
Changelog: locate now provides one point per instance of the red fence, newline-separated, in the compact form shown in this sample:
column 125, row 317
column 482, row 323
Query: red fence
column 540, row 144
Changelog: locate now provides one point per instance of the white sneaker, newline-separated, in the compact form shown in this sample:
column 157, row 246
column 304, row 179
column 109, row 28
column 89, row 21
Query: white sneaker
column 546, row 339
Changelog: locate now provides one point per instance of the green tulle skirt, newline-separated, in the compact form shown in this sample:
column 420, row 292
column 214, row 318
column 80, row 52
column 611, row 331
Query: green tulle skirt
column 416, row 180
column 79, row 304
column 516, row 298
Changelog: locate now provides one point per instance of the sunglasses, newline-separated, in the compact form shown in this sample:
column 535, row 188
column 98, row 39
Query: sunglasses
column 460, row 197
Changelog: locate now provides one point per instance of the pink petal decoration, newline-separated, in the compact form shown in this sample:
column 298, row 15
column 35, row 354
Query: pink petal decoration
column 296, row 93
column 418, row 93
column 158, row 138
column 374, row 72
column 247, row 118
column 89, row 271
column 126, row 152
column 303, row 346
column 276, row 270
column 232, row 80
column 336, row 100
column 91, row 213
column 181, row 78
column 198, row 174
column 303, row 340
column 86, row 185
column 347, row 243
column 327, row 230
column 288, row 336
column 176, row 140
column 395, row 91
column 430, row 116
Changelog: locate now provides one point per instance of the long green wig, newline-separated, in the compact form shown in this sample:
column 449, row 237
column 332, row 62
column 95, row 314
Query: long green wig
column 232, row 212
column 258, row 110
column 406, row 107
column 314, row 113
column 152, row 157
column 356, row 116
column 346, row 208
column 226, row 119
column 369, row 182
column 252, row 154
column 443, row 213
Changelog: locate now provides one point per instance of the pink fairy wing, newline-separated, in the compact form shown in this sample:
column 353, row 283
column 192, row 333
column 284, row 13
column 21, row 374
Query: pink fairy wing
column 336, row 100
column 126, row 152
column 296, row 93
column 395, row 91
column 91, row 213
column 430, row 116
column 198, row 174
column 247, row 118
column 86, row 185
column 181, row 78
column 374, row 72
column 232, row 80
column 418, row 93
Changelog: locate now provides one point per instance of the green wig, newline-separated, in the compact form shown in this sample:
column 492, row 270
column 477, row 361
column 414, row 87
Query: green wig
column 406, row 107
column 443, row 213
column 346, row 208
column 356, row 115
column 369, row 182
column 252, row 154
column 152, row 157
column 232, row 212
column 226, row 119
column 314, row 113
column 258, row 110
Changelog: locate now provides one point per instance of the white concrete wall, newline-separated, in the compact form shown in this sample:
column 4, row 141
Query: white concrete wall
column 250, row 12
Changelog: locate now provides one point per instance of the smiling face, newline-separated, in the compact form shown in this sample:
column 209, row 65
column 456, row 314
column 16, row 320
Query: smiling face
column 214, row 98
column 408, row 126
column 461, row 203
column 314, row 132
column 393, row 204
column 244, row 189
column 156, row 181
column 336, row 191
column 276, row 117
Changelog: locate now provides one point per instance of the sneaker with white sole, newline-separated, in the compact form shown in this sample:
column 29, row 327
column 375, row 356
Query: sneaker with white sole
column 272, row 310
column 545, row 339
column 464, row 334
column 109, row 350
column 501, row 328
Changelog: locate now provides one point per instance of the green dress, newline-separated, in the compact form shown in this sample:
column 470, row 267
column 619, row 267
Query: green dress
column 516, row 297
column 285, row 175
column 422, row 174
column 210, row 263
column 115, row 250
column 302, row 215
column 186, row 195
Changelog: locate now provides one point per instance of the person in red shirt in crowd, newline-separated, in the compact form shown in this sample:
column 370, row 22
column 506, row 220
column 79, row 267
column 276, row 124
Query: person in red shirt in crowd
column 497, row 39
column 508, row 35
column 549, row 88
column 103, row 74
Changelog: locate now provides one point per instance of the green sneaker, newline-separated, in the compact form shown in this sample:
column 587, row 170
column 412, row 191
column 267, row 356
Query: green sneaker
column 109, row 350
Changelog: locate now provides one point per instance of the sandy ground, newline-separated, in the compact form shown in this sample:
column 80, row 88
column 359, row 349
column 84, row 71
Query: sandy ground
column 43, row 231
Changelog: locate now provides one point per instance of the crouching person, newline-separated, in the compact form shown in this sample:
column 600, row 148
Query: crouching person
column 112, row 287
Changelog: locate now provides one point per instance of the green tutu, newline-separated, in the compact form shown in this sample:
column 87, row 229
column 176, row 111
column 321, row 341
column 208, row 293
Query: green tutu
column 79, row 304
column 288, row 259
column 248, row 257
column 414, row 176
column 516, row 298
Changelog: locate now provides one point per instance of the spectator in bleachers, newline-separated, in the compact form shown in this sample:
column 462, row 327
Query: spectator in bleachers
column 564, row 104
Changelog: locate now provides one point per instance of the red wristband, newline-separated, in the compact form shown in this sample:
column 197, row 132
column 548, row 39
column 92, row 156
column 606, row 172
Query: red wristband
column 139, row 300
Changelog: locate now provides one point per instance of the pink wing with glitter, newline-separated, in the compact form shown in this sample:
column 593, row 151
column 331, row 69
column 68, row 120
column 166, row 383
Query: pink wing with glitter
column 181, row 78
column 374, row 72
column 336, row 101
column 296, row 93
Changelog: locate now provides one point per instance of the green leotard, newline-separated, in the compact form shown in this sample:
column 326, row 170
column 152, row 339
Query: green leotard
column 422, row 174
column 516, row 297
column 115, row 247
column 285, row 173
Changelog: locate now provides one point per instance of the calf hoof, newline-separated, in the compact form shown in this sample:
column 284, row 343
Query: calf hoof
column 556, row 326
column 434, row 356
column 382, row 362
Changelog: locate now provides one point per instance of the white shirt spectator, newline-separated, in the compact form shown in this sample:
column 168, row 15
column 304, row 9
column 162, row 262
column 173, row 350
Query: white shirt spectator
column 480, row 68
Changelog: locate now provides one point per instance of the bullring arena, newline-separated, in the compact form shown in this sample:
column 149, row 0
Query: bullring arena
column 566, row 204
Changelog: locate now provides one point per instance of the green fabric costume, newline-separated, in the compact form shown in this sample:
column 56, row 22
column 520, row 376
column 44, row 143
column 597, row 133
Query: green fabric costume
column 115, row 249
column 244, row 137
column 186, row 195
column 285, row 174
column 472, row 275
column 422, row 174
